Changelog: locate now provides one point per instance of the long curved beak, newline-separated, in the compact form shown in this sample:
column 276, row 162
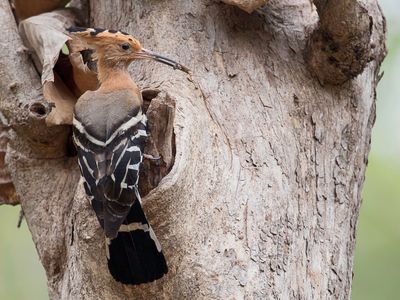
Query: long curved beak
column 144, row 53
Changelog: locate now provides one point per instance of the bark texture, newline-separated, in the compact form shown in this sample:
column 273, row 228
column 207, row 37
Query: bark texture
column 246, row 5
column 262, row 197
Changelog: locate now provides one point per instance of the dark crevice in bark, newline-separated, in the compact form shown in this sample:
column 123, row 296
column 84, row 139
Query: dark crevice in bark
column 148, row 95
column 70, row 146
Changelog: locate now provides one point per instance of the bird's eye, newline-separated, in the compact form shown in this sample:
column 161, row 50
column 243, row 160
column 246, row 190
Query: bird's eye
column 125, row 46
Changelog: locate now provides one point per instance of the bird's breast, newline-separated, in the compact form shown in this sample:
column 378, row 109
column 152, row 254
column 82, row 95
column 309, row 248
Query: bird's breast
column 103, row 117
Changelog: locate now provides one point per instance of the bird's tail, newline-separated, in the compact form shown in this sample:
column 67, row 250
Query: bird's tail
column 135, row 255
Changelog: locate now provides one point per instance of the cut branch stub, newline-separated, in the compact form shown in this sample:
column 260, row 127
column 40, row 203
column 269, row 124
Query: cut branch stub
column 339, row 49
column 161, row 143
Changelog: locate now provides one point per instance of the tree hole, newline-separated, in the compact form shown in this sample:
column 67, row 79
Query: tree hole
column 39, row 110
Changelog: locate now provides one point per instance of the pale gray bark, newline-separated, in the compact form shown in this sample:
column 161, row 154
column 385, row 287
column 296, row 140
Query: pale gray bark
column 264, row 192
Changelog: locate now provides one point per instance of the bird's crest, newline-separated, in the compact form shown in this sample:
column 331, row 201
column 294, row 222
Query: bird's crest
column 97, row 37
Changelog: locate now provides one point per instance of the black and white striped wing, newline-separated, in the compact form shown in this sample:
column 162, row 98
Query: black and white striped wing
column 120, row 186
column 111, row 173
column 89, row 167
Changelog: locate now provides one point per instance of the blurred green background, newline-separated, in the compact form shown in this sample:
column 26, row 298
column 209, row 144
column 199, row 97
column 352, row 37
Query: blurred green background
column 377, row 260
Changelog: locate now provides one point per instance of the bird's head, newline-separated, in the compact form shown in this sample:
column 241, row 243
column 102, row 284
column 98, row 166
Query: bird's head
column 117, row 47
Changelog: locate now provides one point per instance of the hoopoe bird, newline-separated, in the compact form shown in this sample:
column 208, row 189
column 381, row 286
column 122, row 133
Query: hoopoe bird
column 110, row 131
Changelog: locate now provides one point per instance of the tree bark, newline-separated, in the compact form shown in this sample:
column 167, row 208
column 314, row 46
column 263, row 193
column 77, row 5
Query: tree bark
column 262, row 197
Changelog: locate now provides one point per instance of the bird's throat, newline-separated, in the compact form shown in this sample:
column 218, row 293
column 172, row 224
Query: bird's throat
column 114, row 77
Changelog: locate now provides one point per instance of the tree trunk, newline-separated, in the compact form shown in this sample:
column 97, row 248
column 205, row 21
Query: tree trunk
column 262, row 198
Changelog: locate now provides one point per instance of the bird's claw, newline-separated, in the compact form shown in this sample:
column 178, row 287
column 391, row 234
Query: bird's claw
column 151, row 157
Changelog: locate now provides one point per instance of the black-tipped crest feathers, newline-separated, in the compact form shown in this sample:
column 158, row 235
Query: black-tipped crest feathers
column 118, row 46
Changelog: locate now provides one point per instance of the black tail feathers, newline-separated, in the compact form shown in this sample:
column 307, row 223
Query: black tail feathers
column 135, row 255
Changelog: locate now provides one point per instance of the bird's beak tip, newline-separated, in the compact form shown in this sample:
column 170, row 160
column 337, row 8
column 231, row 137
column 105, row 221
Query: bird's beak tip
column 164, row 60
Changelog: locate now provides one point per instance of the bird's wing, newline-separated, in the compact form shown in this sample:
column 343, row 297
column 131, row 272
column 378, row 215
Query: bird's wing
column 110, row 168
column 120, row 185
column 89, row 164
